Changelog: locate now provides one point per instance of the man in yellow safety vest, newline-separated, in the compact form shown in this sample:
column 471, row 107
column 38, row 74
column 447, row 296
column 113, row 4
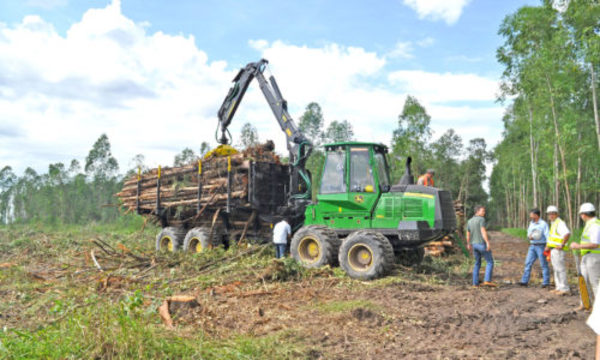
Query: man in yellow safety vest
column 589, row 246
column 559, row 236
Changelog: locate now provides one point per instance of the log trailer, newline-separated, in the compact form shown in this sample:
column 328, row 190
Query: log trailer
column 359, row 220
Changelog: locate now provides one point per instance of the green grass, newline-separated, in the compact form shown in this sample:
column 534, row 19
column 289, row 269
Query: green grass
column 522, row 234
column 516, row 232
column 67, row 317
column 126, row 330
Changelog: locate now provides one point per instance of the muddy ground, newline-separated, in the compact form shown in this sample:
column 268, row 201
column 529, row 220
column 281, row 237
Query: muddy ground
column 411, row 319
column 426, row 312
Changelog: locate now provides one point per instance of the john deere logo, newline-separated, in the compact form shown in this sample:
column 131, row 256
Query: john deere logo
column 359, row 199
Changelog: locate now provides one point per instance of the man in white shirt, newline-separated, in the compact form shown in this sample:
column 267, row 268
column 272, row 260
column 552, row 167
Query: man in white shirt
column 589, row 247
column 282, row 231
column 559, row 236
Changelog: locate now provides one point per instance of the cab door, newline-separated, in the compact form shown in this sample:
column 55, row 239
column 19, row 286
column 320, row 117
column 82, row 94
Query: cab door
column 333, row 192
column 363, row 189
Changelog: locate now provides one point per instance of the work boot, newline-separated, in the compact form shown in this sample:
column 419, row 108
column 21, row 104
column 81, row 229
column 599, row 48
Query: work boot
column 489, row 284
column 562, row 293
column 545, row 286
column 522, row 284
column 579, row 308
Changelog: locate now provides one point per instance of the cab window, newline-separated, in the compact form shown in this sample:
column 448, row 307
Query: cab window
column 382, row 173
column 334, row 173
column 361, row 173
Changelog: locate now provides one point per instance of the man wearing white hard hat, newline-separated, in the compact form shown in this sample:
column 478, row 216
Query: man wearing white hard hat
column 538, row 234
column 559, row 236
column 589, row 246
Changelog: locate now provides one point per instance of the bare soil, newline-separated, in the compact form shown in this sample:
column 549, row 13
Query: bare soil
column 411, row 319
column 426, row 312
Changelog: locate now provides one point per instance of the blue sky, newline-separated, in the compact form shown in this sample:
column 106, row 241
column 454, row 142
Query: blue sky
column 138, row 62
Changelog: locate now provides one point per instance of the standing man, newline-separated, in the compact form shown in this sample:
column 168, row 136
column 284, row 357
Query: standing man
column 479, row 242
column 427, row 178
column 590, row 240
column 281, row 233
column 538, row 234
column 559, row 236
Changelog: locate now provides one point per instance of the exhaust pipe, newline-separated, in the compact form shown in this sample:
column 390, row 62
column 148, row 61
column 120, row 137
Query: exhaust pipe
column 407, row 178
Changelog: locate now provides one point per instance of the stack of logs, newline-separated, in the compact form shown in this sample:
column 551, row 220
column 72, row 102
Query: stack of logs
column 447, row 244
column 179, row 186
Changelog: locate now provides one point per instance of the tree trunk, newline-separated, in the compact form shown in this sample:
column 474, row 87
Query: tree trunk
column 595, row 103
column 562, row 154
column 578, row 184
column 555, row 172
column 533, row 157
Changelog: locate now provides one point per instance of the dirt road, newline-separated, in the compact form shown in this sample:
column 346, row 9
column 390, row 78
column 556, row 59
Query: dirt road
column 412, row 319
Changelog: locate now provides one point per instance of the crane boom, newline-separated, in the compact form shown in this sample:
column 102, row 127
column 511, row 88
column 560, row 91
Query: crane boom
column 298, row 145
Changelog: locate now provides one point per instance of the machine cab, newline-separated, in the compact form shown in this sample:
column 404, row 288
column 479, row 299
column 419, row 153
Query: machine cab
column 354, row 176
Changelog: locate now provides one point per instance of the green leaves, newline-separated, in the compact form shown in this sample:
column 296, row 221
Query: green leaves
column 338, row 131
column 311, row 123
column 248, row 136
column 185, row 157
column 549, row 127
column 100, row 163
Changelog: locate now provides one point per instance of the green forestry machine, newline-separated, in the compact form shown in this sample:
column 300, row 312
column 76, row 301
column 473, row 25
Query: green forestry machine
column 359, row 219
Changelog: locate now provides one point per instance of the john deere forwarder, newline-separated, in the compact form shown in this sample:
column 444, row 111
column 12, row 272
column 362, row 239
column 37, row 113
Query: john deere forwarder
column 359, row 219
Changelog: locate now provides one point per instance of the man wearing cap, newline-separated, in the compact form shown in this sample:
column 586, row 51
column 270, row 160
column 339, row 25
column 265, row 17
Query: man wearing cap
column 427, row 178
column 588, row 246
column 559, row 236
column 538, row 234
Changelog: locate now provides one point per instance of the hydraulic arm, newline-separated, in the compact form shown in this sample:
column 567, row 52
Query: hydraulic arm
column 298, row 145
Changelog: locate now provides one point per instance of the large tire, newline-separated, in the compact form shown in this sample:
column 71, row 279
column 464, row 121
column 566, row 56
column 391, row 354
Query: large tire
column 315, row 246
column 170, row 239
column 366, row 255
column 411, row 257
column 196, row 240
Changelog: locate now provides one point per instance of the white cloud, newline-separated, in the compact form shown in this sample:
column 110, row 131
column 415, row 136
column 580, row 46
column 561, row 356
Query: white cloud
column 437, row 87
column 402, row 50
column 154, row 93
column 446, row 10
column 426, row 42
column 151, row 93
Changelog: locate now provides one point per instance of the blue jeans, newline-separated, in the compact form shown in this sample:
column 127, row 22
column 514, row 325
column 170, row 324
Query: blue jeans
column 280, row 250
column 479, row 250
column 536, row 252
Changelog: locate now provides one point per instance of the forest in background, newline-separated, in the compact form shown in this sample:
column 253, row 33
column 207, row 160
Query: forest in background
column 76, row 194
column 551, row 144
column 549, row 153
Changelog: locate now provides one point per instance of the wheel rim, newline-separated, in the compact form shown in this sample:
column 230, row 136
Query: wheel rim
column 195, row 245
column 166, row 242
column 360, row 257
column 309, row 249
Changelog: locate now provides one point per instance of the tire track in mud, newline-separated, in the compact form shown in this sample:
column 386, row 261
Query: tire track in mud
column 509, row 322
